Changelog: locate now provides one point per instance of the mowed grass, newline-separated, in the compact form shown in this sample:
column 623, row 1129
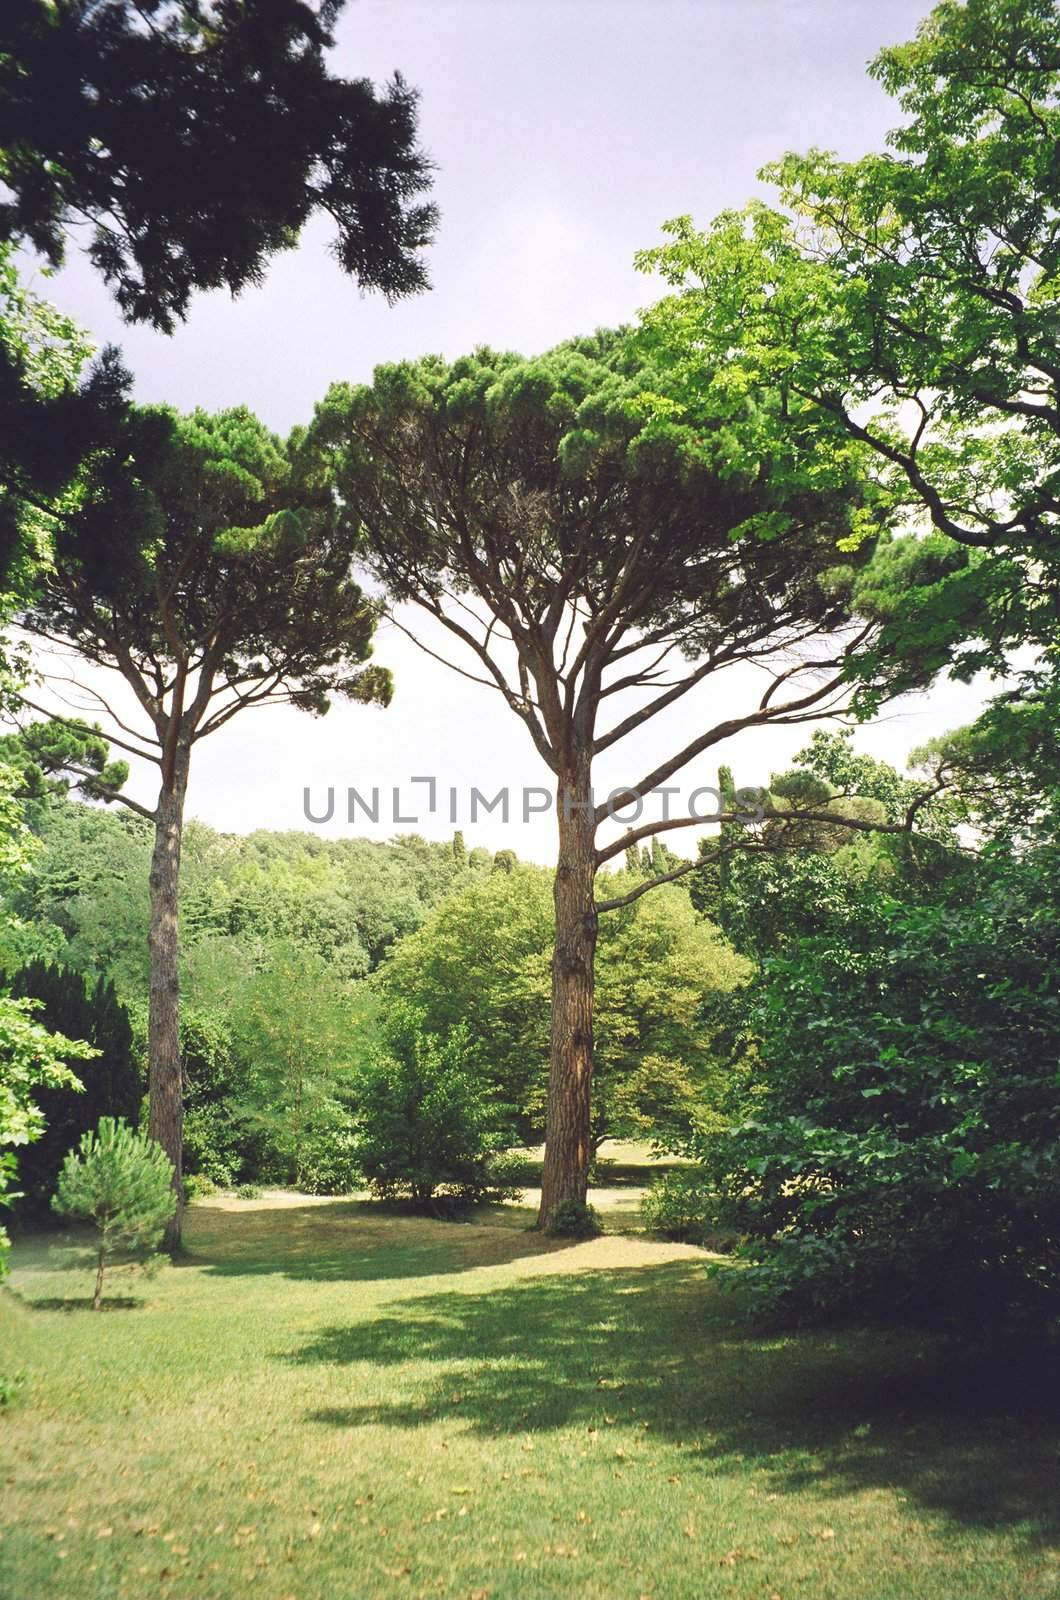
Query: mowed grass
column 326, row 1401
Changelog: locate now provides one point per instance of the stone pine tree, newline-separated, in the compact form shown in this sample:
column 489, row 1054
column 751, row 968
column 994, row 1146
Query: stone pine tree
column 598, row 562
column 193, row 142
column 200, row 567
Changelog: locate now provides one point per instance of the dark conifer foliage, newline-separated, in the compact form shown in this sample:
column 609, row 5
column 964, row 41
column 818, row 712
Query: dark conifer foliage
column 192, row 140
column 75, row 1006
column 44, row 437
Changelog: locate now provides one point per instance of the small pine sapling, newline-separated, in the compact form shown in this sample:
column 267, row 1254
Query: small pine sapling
column 123, row 1182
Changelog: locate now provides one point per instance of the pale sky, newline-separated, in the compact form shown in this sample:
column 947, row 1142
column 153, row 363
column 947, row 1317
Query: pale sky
column 565, row 132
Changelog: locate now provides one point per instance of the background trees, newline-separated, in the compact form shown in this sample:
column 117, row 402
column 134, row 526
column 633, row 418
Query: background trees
column 195, row 145
column 272, row 995
column 584, row 537
column 110, row 1083
column 300, row 1030
column 482, row 960
column 277, row 932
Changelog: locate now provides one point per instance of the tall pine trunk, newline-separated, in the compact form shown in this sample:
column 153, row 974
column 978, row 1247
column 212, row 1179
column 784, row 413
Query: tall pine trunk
column 568, row 1134
column 166, row 1122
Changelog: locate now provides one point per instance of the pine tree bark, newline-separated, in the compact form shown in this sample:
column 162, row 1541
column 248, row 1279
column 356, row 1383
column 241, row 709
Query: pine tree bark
column 568, row 1135
column 166, row 1120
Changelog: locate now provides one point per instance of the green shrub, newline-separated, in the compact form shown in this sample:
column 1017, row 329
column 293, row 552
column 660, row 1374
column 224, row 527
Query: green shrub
column 573, row 1220
column 602, row 1169
column 197, row 1186
column 680, row 1205
column 426, row 1124
column 507, row 1173
column 123, row 1182
column 899, row 1159
column 248, row 1191
column 327, row 1162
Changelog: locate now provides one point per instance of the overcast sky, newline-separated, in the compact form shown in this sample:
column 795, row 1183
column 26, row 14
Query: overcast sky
column 565, row 132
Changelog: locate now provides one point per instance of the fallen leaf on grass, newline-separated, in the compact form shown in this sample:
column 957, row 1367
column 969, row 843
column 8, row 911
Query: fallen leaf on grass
column 734, row 1557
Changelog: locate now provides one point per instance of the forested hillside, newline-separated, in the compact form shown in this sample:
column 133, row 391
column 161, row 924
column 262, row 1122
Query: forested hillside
column 279, row 932
column 297, row 949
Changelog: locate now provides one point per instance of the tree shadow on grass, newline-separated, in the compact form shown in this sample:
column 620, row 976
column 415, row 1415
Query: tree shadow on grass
column 353, row 1241
column 71, row 1248
column 82, row 1303
column 657, row 1345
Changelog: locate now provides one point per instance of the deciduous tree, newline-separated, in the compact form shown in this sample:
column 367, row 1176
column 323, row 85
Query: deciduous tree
column 483, row 959
column 908, row 300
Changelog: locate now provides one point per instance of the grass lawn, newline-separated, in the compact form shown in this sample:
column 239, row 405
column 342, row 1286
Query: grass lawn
column 324, row 1401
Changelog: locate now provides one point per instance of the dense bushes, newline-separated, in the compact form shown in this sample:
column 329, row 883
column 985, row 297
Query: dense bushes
column 572, row 1220
column 680, row 1205
column 427, row 1126
column 899, row 1155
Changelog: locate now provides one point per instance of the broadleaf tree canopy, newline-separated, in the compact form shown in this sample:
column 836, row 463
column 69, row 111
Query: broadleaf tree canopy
column 908, row 300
